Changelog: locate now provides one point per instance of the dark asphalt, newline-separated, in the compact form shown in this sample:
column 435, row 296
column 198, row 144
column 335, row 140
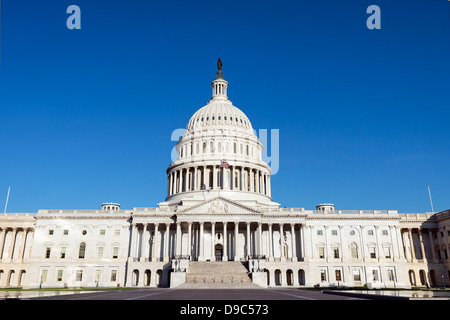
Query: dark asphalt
column 203, row 294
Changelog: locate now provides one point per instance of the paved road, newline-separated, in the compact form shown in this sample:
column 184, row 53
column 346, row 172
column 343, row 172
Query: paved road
column 204, row 294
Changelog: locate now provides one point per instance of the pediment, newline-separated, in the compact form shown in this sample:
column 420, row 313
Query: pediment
column 218, row 206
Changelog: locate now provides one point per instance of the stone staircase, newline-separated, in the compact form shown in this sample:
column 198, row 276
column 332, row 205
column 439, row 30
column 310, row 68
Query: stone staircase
column 218, row 274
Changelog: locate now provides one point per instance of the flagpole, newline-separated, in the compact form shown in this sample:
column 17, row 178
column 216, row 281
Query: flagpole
column 431, row 202
column 7, row 197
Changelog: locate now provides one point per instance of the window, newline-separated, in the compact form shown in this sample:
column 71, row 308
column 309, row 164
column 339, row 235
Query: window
column 44, row 276
column 50, row 232
column 323, row 275
column 47, row 253
column 334, row 232
column 62, row 254
column 338, row 275
column 387, row 252
column 375, row 275
column 113, row 275
column 117, row 232
column 321, row 253
column 372, row 252
column 354, row 250
column 115, row 252
column 336, row 252
column 320, row 232
column 390, row 273
column 356, row 275
column 370, row 232
column 102, row 232
column 385, row 232
column 79, row 276
column 82, row 250
column 59, row 276
column 84, row 232
column 98, row 276
column 100, row 252
column 66, row 232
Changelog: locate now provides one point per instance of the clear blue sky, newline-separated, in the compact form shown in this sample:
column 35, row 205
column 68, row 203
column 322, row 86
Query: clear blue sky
column 86, row 115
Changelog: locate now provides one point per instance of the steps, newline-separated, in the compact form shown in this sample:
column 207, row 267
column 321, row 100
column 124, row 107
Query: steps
column 218, row 274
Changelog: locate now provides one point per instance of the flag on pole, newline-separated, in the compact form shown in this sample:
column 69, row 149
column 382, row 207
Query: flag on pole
column 224, row 164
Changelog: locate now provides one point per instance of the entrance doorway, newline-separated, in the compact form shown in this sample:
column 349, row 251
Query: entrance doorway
column 219, row 252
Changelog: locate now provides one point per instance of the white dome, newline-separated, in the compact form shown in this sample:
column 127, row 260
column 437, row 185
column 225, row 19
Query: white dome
column 219, row 113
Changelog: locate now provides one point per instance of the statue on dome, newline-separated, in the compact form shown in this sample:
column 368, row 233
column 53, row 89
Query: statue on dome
column 219, row 64
column 219, row 69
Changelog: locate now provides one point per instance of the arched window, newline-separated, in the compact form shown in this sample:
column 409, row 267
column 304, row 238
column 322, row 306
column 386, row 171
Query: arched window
column 354, row 250
column 219, row 147
column 204, row 147
column 82, row 250
column 235, row 149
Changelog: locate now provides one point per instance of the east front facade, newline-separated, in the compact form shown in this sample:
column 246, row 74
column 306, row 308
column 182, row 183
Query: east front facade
column 219, row 226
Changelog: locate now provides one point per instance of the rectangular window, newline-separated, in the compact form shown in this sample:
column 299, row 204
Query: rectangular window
column 334, row 232
column 50, row 232
column 47, row 252
column 98, row 275
column 113, row 275
column 62, row 254
column 370, row 232
column 66, row 232
column 385, row 232
column 321, row 253
column 323, row 275
column 372, row 252
column 387, row 252
column 79, row 276
column 375, row 275
column 338, row 275
column 319, row 232
column 102, row 232
column 336, row 252
column 44, row 276
column 59, row 276
column 356, row 275
column 117, row 232
column 100, row 252
column 390, row 273
column 115, row 252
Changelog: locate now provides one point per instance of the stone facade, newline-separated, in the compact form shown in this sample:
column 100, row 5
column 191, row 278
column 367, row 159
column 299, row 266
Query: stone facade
column 219, row 208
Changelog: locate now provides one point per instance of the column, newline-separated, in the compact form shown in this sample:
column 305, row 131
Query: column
column 214, row 179
column 236, row 232
column 2, row 242
column 225, row 256
column 248, row 241
column 189, row 240
column 270, row 242
column 260, row 239
column 400, row 243
column 145, row 235
column 178, row 245
column 363, row 242
column 282, row 258
column 175, row 182
column 411, row 244
column 195, row 179
column 13, row 242
column 430, row 235
column 153, row 244
column 201, row 257
column 181, row 180
column 392, row 232
column 294, row 254
column 206, row 177
column 446, row 240
column 422, row 249
column 257, row 181
column 22, row 247
column 269, row 193
column 213, row 245
column 133, row 241
column 166, row 243
column 377, row 237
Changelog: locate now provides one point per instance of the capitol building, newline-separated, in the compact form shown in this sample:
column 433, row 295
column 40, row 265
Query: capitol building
column 220, row 226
